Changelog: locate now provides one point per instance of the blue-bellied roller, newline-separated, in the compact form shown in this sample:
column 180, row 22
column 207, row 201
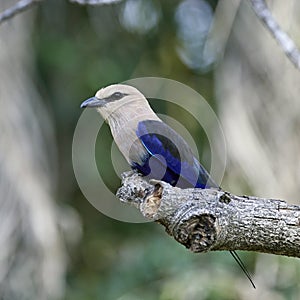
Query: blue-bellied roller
column 148, row 144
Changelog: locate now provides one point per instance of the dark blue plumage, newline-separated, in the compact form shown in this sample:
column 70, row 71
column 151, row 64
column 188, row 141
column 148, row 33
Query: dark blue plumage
column 170, row 156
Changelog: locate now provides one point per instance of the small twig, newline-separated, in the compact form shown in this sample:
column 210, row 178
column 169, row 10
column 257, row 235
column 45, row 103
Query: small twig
column 95, row 2
column 282, row 38
column 19, row 7
column 23, row 5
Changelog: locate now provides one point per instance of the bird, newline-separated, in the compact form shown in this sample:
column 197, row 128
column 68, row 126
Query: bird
column 149, row 145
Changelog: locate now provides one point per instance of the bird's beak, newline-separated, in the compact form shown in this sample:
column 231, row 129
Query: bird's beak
column 93, row 102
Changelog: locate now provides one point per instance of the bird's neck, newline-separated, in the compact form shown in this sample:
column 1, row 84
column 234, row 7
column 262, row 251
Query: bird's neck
column 127, row 119
column 123, row 124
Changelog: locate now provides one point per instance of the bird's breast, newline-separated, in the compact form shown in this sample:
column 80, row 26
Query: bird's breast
column 128, row 142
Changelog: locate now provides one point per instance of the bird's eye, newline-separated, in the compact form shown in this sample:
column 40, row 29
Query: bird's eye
column 117, row 95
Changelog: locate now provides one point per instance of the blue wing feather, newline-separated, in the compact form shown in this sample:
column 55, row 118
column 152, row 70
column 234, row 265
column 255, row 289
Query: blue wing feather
column 172, row 155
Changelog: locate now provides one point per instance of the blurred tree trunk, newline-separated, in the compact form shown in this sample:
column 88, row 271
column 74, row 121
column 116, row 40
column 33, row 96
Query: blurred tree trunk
column 32, row 258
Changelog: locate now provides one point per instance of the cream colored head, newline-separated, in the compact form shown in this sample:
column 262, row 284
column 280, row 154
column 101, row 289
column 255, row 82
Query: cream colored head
column 117, row 99
column 123, row 107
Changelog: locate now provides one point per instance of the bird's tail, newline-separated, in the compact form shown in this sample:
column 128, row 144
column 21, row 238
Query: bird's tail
column 242, row 266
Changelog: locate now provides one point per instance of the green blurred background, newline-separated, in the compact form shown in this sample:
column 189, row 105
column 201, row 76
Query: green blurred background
column 73, row 50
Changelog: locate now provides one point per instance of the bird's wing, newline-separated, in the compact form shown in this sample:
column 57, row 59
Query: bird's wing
column 160, row 140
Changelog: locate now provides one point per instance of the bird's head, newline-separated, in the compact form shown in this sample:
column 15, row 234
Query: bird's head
column 114, row 98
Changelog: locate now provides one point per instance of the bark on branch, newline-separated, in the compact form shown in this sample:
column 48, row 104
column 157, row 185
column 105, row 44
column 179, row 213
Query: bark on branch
column 206, row 220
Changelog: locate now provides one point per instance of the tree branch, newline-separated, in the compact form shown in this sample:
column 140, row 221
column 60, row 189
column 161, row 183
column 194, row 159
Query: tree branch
column 19, row 7
column 282, row 38
column 95, row 2
column 23, row 5
column 207, row 219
